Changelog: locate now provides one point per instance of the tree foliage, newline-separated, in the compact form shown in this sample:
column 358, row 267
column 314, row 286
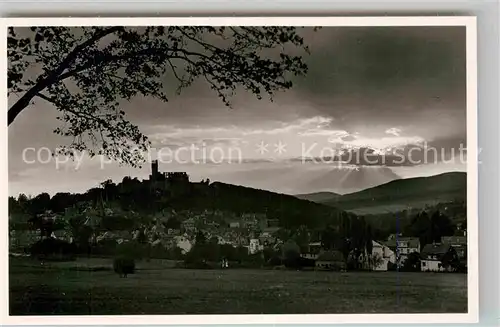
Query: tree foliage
column 86, row 73
column 352, row 237
column 200, row 238
column 291, row 254
column 329, row 238
column 450, row 260
column 412, row 263
column 301, row 236
column 430, row 228
column 369, row 240
column 39, row 204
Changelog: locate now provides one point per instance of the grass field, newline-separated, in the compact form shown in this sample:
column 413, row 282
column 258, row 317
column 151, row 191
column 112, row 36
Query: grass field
column 155, row 289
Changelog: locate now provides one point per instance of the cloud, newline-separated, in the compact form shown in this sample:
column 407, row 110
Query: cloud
column 393, row 131
column 187, row 135
column 399, row 153
column 377, row 143
column 166, row 141
column 348, row 138
column 435, row 151
column 360, row 157
column 341, row 136
column 316, row 125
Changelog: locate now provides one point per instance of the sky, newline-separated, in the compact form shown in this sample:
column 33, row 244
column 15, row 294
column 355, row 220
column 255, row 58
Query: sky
column 376, row 90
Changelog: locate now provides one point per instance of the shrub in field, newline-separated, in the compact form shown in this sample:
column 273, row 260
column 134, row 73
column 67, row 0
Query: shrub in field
column 124, row 266
column 52, row 249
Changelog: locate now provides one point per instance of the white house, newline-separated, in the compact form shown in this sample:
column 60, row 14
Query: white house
column 405, row 246
column 381, row 256
column 183, row 243
column 255, row 246
column 435, row 256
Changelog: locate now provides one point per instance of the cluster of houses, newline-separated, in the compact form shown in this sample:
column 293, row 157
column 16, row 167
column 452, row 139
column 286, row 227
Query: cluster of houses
column 250, row 230
column 432, row 255
column 379, row 259
column 255, row 232
column 395, row 252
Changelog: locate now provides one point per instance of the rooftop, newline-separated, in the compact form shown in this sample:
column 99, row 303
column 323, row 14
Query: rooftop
column 435, row 249
column 412, row 241
column 271, row 229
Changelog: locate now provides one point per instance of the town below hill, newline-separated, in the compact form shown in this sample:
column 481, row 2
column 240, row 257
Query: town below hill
column 169, row 216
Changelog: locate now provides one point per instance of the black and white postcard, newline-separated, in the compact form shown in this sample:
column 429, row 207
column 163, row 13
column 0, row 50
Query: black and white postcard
column 240, row 170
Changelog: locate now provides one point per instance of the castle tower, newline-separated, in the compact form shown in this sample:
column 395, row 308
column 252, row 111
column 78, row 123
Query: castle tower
column 154, row 167
column 154, row 171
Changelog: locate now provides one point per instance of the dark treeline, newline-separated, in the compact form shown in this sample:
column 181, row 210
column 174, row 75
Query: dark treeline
column 134, row 195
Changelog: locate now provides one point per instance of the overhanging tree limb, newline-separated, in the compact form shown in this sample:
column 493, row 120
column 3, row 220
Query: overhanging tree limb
column 105, row 71
column 24, row 101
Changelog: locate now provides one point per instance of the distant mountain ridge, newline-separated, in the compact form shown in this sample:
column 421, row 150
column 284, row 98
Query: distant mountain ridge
column 308, row 178
column 318, row 196
column 401, row 194
column 352, row 179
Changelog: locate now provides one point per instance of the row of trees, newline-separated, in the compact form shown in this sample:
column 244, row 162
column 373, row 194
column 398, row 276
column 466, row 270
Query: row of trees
column 429, row 228
column 390, row 223
column 353, row 238
column 129, row 194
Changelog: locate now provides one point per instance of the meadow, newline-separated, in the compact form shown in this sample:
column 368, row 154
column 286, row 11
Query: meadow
column 91, row 288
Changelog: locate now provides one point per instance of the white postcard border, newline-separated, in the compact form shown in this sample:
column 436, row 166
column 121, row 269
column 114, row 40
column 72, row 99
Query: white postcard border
column 472, row 176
